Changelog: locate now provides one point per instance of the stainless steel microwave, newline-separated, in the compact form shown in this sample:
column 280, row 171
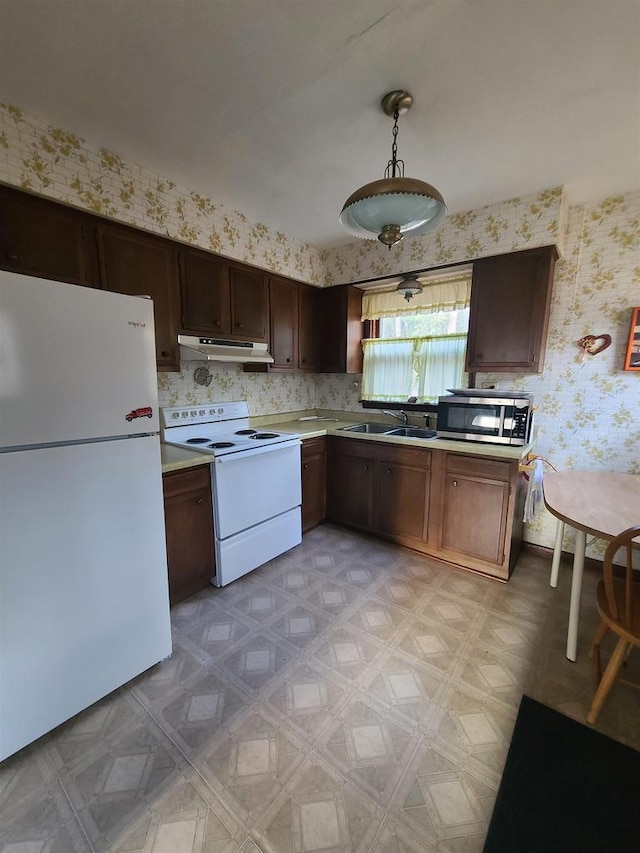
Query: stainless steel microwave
column 496, row 417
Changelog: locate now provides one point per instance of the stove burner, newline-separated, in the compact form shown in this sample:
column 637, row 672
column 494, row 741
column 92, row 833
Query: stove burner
column 245, row 432
column 265, row 435
column 219, row 444
column 197, row 440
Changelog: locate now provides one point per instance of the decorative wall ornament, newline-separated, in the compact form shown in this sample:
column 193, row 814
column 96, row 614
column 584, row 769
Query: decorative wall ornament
column 593, row 344
column 202, row 376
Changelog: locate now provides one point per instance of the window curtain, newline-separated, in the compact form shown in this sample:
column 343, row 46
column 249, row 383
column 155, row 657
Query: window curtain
column 387, row 372
column 441, row 366
column 396, row 369
column 439, row 294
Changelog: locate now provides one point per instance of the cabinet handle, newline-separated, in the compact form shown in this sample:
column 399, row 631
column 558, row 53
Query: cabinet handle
column 217, row 323
column 304, row 360
column 165, row 353
column 288, row 360
column 454, row 483
column 388, row 470
column 239, row 325
column 479, row 356
column 305, row 466
column 200, row 501
column 366, row 467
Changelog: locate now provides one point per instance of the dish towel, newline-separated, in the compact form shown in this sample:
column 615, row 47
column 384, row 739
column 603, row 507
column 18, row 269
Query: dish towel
column 534, row 496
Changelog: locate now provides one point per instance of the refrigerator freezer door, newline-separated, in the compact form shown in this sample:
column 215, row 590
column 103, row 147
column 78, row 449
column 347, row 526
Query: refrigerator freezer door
column 84, row 603
column 76, row 363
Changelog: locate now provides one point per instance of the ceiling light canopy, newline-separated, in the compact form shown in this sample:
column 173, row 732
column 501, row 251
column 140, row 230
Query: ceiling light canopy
column 394, row 206
column 409, row 286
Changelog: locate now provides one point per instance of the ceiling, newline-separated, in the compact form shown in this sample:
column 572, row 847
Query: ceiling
column 272, row 106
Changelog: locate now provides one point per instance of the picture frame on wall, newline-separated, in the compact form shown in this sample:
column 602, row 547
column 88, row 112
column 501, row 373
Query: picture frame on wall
column 632, row 358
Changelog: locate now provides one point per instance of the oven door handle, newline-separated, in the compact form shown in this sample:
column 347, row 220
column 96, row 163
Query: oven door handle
column 255, row 451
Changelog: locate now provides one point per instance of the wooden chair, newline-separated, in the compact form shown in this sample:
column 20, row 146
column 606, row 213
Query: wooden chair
column 618, row 600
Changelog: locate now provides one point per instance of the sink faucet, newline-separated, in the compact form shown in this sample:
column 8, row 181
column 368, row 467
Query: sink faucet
column 401, row 416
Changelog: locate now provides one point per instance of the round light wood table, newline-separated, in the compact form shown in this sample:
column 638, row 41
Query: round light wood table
column 597, row 503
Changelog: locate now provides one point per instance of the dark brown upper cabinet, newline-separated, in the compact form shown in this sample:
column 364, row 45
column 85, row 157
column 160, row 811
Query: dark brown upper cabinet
column 204, row 293
column 222, row 299
column 140, row 264
column 308, row 327
column 45, row 239
column 283, row 324
column 249, row 303
column 340, row 321
column 509, row 313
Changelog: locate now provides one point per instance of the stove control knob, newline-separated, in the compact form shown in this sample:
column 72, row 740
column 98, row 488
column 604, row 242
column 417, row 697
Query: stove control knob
column 220, row 411
column 194, row 414
column 175, row 415
column 201, row 412
column 185, row 414
column 212, row 411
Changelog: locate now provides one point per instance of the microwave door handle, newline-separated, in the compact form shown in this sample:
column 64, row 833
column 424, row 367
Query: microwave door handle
column 502, row 417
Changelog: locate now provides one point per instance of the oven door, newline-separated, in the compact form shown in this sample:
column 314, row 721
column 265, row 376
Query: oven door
column 255, row 485
column 486, row 421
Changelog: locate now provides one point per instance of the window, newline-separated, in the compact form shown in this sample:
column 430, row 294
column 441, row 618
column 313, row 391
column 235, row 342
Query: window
column 420, row 346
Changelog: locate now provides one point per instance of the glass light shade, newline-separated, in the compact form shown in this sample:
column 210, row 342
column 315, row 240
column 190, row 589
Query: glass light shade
column 414, row 206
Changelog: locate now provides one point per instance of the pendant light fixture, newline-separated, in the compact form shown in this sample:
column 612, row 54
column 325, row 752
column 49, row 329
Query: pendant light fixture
column 409, row 286
column 394, row 206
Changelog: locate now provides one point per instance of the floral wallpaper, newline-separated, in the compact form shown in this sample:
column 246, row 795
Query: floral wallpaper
column 44, row 159
column 588, row 409
column 266, row 393
column 520, row 223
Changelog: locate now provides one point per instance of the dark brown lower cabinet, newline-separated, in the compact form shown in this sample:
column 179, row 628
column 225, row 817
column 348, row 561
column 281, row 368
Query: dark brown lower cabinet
column 403, row 494
column 461, row 508
column 380, row 488
column 189, row 529
column 314, row 482
column 350, row 482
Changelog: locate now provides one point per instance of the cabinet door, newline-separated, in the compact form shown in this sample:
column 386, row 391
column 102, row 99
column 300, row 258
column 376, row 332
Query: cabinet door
column 509, row 314
column 141, row 265
column 248, row 304
column 403, row 500
column 45, row 239
column 283, row 321
column 475, row 515
column 314, row 482
column 308, row 328
column 350, row 483
column 189, row 532
column 341, row 330
column 204, row 292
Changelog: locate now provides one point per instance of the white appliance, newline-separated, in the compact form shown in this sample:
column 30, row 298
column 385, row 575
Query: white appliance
column 255, row 482
column 84, row 604
column 212, row 349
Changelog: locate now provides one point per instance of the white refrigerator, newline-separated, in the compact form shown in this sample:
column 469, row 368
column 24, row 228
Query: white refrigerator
column 84, row 604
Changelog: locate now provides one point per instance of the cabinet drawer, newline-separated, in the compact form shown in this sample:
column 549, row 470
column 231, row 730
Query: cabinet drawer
column 313, row 446
column 189, row 480
column 415, row 457
column 474, row 466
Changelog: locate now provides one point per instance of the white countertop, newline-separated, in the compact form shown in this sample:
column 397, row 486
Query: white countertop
column 177, row 458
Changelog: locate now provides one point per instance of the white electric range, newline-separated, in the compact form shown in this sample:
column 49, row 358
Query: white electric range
column 255, row 483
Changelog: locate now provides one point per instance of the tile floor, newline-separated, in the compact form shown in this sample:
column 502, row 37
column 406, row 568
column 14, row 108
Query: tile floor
column 348, row 696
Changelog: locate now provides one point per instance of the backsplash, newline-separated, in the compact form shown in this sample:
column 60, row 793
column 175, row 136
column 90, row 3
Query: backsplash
column 266, row 394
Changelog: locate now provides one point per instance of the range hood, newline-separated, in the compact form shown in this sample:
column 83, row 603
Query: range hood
column 211, row 349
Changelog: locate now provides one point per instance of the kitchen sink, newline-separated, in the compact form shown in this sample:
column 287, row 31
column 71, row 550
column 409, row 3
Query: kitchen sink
column 413, row 432
column 378, row 429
